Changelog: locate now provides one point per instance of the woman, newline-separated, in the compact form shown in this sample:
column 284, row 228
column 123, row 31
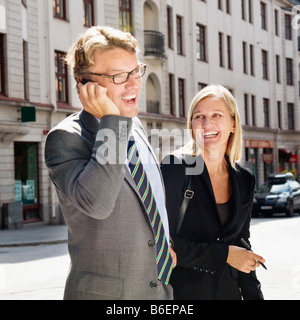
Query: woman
column 212, row 262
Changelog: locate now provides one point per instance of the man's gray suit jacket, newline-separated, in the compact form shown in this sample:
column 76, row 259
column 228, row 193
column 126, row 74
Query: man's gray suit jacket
column 110, row 236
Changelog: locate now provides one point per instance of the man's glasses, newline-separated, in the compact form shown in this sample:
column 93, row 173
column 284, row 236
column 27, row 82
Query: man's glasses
column 123, row 77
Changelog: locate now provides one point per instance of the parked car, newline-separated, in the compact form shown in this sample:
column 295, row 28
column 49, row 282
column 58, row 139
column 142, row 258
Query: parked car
column 280, row 194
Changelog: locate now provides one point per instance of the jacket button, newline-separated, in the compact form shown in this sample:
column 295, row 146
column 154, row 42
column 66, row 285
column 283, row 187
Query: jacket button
column 151, row 244
column 153, row 285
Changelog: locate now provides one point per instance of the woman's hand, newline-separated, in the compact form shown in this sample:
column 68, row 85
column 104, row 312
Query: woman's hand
column 95, row 100
column 243, row 260
column 174, row 257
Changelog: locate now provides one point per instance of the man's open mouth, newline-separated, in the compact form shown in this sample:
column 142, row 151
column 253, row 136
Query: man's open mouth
column 130, row 99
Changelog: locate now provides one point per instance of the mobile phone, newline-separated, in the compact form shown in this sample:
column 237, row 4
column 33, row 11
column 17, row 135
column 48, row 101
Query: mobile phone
column 85, row 81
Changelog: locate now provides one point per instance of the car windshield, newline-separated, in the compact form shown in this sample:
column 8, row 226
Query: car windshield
column 273, row 188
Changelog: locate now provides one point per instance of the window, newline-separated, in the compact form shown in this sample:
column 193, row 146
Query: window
column 246, row 109
column 125, row 15
column 171, row 94
column 27, row 179
column 289, row 72
column 266, row 112
column 181, row 98
column 179, row 35
column 265, row 73
column 221, row 49
column 61, row 78
column 245, row 58
column 276, row 18
column 278, row 74
column 243, row 10
column 253, row 107
column 201, row 85
column 252, row 67
column 250, row 5
column 201, row 43
column 291, row 116
column 229, row 53
column 263, row 15
column 228, row 6
column 220, row 5
column 59, row 8
column 88, row 13
column 288, row 27
column 170, row 27
column 2, row 65
column 279, row 114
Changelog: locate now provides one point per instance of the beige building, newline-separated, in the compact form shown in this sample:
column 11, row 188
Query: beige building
column 249, row 46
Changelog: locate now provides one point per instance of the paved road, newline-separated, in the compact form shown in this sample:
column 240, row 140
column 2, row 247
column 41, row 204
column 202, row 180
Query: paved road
column 278, row 240
column 33, row 273
column 39, row 273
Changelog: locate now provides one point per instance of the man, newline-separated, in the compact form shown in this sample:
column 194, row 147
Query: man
column 112, row 243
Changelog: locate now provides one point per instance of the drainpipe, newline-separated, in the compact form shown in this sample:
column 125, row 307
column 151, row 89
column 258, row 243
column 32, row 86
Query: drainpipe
column 50, row 72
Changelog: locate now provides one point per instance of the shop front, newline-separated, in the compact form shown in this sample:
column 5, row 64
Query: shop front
column 289, row 161
column 259, row 156
column 27, row 179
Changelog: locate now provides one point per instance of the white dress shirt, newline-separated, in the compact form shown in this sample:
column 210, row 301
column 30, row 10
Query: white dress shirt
column 154, row 178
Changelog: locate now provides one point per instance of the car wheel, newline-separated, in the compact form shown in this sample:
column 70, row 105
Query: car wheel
column 290, row 209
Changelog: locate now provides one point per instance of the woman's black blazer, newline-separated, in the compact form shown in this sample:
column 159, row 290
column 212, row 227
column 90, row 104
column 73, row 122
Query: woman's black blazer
column 202, row 243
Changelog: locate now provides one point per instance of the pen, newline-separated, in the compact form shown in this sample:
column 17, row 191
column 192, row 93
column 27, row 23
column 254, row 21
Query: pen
column 246, row 244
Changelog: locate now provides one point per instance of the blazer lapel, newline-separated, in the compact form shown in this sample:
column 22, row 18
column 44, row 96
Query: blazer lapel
column 204, row 176
column 235, row 217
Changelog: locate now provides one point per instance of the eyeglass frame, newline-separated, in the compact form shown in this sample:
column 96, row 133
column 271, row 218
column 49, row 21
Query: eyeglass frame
column 142, row 65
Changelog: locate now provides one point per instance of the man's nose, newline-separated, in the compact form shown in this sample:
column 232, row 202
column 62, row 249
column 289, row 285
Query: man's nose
column 132, row 82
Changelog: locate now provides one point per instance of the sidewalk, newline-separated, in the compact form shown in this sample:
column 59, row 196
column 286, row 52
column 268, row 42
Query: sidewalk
column 33, row 235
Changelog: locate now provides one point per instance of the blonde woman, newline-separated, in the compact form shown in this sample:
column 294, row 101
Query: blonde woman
column 212, row 262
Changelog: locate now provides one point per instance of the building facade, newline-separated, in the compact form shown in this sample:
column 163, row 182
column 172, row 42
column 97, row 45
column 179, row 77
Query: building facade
column 251, row 48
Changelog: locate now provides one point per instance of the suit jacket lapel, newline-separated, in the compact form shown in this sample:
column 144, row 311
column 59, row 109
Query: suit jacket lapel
column 235, row 195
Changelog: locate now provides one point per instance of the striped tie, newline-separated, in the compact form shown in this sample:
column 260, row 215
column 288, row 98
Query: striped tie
column 163, row 256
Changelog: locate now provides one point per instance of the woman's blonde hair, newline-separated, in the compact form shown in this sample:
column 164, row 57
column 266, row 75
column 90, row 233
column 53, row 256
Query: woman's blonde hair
column 235, row 142
column 101, row 38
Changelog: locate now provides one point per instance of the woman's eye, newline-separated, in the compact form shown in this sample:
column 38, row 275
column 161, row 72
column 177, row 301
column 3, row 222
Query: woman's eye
column 198, row 117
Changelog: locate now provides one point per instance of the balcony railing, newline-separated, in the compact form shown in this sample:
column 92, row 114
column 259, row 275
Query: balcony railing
column 154, row 44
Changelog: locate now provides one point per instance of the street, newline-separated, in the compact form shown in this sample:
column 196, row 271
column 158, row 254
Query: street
column 277, row 240
column 39, row 273
column 33, row 273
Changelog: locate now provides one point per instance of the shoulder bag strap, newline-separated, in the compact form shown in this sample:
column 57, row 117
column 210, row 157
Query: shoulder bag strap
column 188, row 195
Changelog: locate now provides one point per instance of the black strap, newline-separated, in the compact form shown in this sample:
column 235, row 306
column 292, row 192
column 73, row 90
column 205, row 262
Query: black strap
column 188, row 195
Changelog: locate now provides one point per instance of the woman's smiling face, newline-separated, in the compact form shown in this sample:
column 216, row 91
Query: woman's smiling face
column 212, row 123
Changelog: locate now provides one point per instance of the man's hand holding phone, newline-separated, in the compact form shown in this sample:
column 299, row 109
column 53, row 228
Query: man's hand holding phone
column 95, row 100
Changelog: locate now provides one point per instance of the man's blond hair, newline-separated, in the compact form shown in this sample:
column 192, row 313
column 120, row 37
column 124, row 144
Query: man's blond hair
column 101, row 38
